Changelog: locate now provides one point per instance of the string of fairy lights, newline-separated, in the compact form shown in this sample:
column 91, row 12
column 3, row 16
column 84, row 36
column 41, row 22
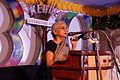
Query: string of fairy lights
column 105, row 22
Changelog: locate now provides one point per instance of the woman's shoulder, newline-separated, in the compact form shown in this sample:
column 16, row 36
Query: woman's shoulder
column 51, row 42
column 51, row 46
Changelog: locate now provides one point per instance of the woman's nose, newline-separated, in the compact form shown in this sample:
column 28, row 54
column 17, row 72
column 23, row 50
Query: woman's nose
column 66, row 30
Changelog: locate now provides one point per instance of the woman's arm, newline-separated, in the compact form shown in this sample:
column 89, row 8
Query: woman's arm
column 49, row 58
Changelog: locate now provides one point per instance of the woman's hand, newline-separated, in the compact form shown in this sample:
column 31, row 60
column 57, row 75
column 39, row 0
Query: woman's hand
column 74, row 41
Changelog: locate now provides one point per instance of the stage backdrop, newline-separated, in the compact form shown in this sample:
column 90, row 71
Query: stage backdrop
column 19, row 44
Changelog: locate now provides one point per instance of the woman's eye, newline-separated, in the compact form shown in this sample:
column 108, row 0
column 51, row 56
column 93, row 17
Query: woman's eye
column 62, row 28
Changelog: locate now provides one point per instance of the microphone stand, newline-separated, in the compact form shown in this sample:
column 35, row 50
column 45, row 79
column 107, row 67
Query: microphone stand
column 112, row 49
column 98, row 60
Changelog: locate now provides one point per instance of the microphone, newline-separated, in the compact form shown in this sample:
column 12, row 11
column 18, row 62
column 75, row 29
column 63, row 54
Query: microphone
column 74, row 33
column 80, row 36
column 83, row 36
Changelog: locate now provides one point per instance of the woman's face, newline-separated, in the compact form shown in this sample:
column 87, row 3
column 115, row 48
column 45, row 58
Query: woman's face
column 61, row 31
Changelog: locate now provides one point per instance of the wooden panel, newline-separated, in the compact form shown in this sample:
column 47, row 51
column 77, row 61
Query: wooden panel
column 69, row 69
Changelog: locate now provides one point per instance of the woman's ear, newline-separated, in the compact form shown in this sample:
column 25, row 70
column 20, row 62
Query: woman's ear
column 54, row 32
